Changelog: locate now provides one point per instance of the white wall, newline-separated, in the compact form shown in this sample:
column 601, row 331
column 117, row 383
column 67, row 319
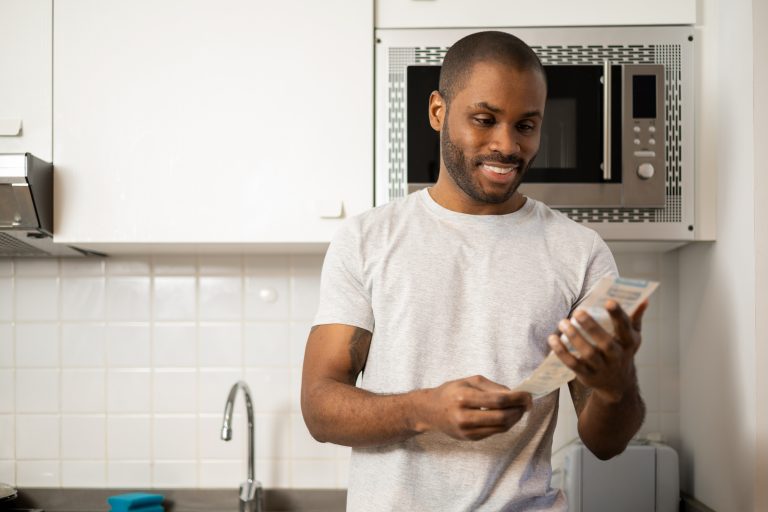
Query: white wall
column 760, row 21
column 717, row 288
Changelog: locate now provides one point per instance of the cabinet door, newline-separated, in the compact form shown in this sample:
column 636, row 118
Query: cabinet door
column 25, row 77
column 211, row 121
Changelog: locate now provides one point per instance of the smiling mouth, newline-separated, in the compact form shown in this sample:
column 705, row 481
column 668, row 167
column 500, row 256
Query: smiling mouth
column 500, row 169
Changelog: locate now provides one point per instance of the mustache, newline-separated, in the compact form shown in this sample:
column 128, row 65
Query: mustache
column 499, row 158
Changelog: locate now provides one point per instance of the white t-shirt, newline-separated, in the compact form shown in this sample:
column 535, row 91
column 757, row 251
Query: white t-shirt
column 449, row 295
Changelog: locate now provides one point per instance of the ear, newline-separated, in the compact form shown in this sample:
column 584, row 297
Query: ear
column 436, row 111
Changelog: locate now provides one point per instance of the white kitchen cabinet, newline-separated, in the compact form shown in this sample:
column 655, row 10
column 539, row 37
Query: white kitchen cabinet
column 519, row 13
column 25, row 77
column 210, row 122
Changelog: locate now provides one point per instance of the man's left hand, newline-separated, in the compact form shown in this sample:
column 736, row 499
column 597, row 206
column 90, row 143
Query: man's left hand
column 607, row 367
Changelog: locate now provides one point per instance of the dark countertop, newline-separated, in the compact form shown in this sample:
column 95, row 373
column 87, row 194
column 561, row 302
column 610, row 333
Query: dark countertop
column 180, row 500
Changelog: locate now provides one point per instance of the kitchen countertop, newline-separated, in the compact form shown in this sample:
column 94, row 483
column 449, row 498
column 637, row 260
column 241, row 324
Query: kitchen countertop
column 180, row 500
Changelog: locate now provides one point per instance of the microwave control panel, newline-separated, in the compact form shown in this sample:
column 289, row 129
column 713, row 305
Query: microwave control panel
column 643, row 141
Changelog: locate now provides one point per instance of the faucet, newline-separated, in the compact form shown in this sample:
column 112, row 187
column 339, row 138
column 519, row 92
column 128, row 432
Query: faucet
column 251, row 495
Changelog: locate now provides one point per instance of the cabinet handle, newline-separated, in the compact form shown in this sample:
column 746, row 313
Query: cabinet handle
column 607, row 120
column 329, row 208
column 10, row 127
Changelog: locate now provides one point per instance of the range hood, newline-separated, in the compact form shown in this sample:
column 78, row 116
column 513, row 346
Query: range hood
column 26, row 209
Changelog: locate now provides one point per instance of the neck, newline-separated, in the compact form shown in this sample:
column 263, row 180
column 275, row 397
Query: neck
column 449, row 195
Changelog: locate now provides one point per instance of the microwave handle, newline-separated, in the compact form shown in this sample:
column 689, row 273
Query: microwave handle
column 607, row 120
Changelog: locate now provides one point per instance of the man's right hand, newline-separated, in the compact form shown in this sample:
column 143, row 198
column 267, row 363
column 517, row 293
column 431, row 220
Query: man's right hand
column 472, row 408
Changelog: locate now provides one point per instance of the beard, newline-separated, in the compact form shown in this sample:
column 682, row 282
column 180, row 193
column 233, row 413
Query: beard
column 461, row 169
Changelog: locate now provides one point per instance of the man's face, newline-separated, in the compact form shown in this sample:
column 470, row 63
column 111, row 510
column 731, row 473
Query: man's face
column 490, row 134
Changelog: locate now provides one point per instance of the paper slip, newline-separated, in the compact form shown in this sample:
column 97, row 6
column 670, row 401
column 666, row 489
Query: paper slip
column 628, row 293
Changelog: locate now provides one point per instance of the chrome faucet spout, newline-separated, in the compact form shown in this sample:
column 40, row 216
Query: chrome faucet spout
column 250, row 490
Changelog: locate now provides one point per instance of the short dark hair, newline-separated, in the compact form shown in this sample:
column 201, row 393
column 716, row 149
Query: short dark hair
column 489, row 46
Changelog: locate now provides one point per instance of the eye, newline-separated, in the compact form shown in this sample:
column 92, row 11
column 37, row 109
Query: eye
column 526, row 127
column 484, row 120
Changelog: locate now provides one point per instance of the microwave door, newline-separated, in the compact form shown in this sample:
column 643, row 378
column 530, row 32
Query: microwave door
column 570, row 170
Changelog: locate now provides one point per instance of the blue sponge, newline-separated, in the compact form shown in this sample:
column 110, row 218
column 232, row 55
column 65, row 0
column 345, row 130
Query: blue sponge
column 136, row 502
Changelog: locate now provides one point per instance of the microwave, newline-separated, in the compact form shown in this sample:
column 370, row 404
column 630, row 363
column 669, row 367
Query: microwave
column 617, row 136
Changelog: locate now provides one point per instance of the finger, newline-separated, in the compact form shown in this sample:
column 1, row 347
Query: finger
column 587, row 354
column 485, row 384
column 476, row 399
column 601, row 337
column 621, row 324
column 503, row 418
column 637, row 316
column 566, row 357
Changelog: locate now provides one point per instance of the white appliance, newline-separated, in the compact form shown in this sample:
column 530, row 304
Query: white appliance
column 644, row 478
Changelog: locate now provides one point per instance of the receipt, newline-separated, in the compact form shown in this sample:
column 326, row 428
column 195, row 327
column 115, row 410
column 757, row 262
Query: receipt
column 628, row 293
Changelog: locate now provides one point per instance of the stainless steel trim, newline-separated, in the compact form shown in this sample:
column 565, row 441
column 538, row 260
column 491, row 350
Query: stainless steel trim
column 607, row 120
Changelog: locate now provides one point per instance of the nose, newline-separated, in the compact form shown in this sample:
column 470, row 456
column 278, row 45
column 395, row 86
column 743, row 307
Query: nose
column 505, row 140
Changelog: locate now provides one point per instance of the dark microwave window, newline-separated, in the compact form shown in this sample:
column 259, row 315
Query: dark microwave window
column 644, row 96
column 423, row 143
column 558, row 135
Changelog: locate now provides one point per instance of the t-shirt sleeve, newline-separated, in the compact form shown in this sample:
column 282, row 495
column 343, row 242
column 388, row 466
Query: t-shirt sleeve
column 344, row 298
column 600, row 264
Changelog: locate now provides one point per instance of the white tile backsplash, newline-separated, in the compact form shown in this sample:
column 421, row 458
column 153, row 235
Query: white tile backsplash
column 220, row 298
column 83, row 390
column 7, row 436
column 37, row 345
column 175, row 298
column 8, row 472
column 6, row 299
column 129, row 437
column 171, row 474
column 127, row 362
column 220, row 345
column 37, row 298
column 82, row 298
column 83, row 473
column 37, row 390
column 220, row 473
column 37, row 436
column 7, row 390
column 175, row 390
column 214, row 386
column 129, row 474
column 83, row 437
column 128, row 391
column 38, row 473
column 175, row 437
column 175, row 345
column 6, row 346
column 266, row 344
column 129, row 345
column 128, row 298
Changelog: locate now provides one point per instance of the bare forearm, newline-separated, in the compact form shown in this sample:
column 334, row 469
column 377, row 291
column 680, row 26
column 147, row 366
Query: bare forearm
column 340, row 413
column 606, row 426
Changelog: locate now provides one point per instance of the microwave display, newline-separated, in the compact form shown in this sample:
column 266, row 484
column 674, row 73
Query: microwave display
column 644, row 96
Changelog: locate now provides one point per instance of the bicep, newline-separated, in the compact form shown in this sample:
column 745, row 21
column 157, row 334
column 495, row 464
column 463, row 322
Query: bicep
column 337, row 352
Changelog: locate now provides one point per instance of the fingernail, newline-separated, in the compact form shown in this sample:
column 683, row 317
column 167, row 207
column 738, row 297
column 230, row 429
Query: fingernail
column 563, row 325
column 580, row 315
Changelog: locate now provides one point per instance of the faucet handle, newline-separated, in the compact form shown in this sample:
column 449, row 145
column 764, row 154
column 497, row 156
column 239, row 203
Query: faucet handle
column 251, row 496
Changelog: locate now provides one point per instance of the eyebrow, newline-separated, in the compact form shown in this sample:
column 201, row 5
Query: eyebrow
column 492, row 108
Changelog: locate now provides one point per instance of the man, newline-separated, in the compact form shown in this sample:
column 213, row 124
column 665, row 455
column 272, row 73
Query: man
column 444, row 300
